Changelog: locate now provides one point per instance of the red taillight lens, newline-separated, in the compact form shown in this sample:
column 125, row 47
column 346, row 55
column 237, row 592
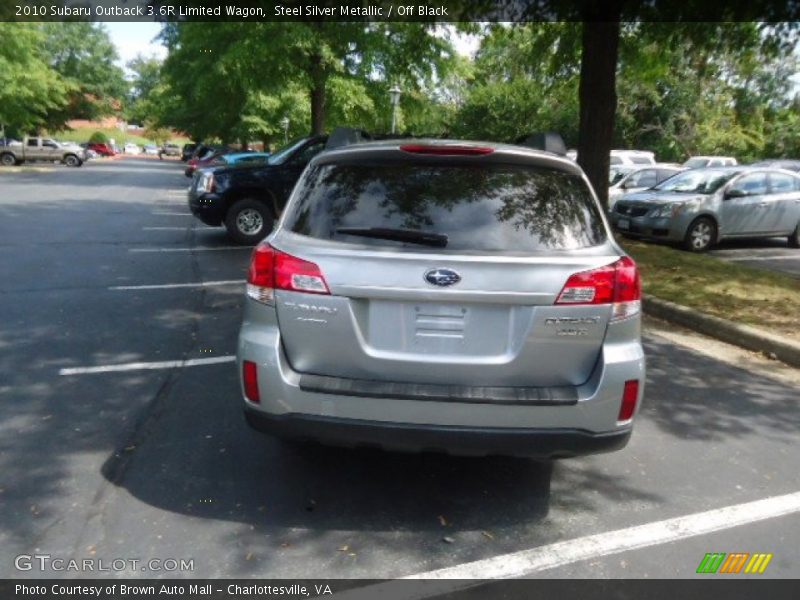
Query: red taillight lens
column 628, row 286
column 250, row 379
column 271, row 270
column 446, row 150
column 262, row 263
column 292, row 273
column 629, row 396
column 617, row 284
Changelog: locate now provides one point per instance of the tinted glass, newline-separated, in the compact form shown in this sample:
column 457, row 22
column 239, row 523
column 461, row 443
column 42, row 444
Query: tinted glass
column 641, row 160
column 781, row 183
column 279, row 156
column 494, row 208
column 752, row 185
column 645, row 178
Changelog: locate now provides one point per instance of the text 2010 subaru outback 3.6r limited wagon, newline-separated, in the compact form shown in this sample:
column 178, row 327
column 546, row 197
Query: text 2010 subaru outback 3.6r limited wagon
column 443, row 296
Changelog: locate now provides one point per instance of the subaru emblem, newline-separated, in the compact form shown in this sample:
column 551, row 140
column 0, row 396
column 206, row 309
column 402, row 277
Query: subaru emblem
column 442, row 277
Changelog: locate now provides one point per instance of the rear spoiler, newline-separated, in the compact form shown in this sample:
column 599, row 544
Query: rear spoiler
column 549, row 141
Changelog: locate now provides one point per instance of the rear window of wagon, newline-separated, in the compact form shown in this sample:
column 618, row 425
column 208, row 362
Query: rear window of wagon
column 480, row 208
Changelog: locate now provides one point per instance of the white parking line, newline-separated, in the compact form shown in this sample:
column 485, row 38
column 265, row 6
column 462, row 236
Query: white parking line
column 559, row 554
column 168, row 286
column 139, row 366
column 189, row 249
column 781, row 257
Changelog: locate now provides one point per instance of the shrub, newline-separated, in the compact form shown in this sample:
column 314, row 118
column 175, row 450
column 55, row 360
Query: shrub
column 98, row 137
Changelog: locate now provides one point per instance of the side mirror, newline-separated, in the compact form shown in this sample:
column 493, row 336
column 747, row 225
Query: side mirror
column 735, row 193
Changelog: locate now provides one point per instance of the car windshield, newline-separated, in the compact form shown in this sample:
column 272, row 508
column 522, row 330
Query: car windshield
column 492, row 208
column 698, row 181
column 281, row 155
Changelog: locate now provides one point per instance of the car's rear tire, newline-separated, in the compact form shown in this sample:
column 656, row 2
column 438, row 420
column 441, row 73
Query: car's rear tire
column 7, row 159
column 249, row 221
column 72, row 161
column 794, row 239
column 701, row 235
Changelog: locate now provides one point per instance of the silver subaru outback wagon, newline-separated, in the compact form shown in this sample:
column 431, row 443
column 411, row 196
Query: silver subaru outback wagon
column 443, row 296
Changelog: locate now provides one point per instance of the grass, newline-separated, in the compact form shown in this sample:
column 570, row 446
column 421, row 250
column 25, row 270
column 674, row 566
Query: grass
column 763, row 299
column 82, row 134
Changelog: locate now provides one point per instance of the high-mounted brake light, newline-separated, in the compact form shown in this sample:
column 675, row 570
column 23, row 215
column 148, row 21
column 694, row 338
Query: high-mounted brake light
column 272, row 269
column 446, row 150
column 616, row 284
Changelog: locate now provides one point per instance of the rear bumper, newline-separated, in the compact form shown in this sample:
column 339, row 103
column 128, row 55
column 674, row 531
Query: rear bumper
column 465, row 441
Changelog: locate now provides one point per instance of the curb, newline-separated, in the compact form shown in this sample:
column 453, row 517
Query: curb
column 745, row 336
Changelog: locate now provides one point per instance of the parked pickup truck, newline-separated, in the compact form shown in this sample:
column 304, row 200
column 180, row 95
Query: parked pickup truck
column 38, row 148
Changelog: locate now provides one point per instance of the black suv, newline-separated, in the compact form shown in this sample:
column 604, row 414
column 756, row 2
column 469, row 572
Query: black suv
column 187, row 151
column 247, row 199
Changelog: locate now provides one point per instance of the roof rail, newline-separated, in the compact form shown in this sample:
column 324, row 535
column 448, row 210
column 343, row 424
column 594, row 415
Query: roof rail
column 346, row 136
column 549, row 141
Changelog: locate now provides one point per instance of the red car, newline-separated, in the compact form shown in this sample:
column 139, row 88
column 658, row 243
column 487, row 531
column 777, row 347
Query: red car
column 101, row 149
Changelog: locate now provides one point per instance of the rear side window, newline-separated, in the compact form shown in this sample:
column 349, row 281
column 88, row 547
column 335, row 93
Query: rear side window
column 488, row 208
column 781, row 183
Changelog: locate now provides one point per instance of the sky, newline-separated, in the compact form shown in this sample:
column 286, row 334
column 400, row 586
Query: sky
column 132, row 39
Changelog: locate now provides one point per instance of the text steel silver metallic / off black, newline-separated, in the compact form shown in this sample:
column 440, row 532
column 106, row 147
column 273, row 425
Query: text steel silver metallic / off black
column 444, row 296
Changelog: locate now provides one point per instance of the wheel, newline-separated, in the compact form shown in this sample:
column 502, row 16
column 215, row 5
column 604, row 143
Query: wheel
column 8, row 160
column 72, row 161
column 794, row 239
column 701, row 235
column 248, row 221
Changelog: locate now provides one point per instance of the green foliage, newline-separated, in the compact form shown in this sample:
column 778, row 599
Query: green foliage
column 683, row 89
column 160, row 135
column 98, row 137
column 29, row 91
column 234, row 80
column 144, row 88
column 82, row 54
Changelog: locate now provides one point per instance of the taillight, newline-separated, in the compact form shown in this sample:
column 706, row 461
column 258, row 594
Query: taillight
column 250, row 380
column 630, row 394
column 446, row 149
column 272, row 269
column 616, row 284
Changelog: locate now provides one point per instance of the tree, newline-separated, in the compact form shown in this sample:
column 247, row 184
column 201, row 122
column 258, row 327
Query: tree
column 146, row 81
column 82, row 54
column 29, row 91
column 344, row 69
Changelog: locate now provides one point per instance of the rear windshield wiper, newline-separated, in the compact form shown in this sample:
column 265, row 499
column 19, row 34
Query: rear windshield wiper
column 413, row 236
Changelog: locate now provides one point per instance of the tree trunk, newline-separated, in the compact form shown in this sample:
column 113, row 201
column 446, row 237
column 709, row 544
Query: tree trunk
column 318, row 82
column 598, row 102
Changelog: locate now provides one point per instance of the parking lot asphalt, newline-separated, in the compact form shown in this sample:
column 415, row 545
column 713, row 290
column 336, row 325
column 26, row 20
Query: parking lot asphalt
column 771, row 253
column 113, row 446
